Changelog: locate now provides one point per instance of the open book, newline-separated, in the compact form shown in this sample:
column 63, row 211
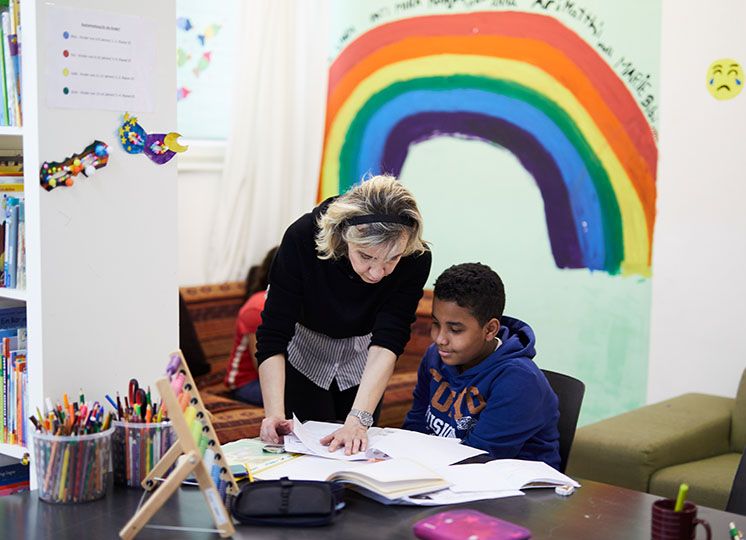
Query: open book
column 390, row 480
column 504, row 475
column 246, row 454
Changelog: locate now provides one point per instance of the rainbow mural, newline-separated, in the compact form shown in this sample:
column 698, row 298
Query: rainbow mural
column 519, row 80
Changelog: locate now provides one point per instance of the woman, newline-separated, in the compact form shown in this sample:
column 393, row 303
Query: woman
column 241, row 376
column 343, row 291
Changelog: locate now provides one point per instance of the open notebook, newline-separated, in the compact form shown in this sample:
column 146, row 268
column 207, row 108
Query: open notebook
column 391, row 479
column 504, row 474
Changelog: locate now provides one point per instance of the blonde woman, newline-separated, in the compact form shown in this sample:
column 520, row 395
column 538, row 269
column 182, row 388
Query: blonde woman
column 343, row 291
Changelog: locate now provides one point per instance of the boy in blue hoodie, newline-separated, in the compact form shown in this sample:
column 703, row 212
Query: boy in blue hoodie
column 477, row 381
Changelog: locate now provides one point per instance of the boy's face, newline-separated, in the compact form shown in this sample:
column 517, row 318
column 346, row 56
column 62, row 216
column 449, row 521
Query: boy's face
column 460, row 339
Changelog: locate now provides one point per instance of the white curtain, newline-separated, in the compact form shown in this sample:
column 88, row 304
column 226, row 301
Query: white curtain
column 271, row 168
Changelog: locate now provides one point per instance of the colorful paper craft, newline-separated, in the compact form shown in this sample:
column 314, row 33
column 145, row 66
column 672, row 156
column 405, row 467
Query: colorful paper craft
column 159, row 147
column 60, row 173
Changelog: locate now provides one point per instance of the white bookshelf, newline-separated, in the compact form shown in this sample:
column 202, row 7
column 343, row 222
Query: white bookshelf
column 101, row 256
column 13, row 450
column 13, row 294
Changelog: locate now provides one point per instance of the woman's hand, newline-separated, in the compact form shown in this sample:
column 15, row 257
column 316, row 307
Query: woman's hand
column 352, row 435
column 274, row 428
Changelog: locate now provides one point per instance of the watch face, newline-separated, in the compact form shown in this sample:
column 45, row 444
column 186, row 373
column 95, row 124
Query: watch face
column 366, row 419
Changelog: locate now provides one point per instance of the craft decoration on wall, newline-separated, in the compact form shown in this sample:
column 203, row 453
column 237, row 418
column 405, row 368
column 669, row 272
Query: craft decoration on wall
column 725, row 79
column 520, row 80
column 189, row 49
column 54, row 174
column 159, row 147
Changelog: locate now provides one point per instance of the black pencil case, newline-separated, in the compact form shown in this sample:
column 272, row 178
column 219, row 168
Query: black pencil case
column 284, row 502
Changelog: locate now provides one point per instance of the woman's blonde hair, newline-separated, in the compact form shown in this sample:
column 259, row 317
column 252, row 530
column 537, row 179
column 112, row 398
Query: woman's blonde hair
column 373, row 213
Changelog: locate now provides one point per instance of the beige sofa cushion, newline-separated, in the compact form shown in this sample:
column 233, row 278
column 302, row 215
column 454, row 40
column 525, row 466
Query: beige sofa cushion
column 709, row 480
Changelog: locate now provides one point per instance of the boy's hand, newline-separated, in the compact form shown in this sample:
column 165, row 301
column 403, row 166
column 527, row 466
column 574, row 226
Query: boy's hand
column 352, row 435
column 274, row 428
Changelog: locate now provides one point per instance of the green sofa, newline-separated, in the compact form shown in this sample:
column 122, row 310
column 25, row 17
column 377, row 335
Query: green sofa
column 693, row 438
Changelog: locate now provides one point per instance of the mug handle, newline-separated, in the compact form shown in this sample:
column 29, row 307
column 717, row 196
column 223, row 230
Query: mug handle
column 705, row 525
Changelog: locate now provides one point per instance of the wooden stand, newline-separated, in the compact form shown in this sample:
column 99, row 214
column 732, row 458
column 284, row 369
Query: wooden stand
column 186, row 455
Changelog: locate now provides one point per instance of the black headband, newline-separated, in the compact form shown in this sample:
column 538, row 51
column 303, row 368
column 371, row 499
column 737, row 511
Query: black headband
column 379, row 218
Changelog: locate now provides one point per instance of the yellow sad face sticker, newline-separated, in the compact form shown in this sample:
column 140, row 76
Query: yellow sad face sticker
column 725, row 78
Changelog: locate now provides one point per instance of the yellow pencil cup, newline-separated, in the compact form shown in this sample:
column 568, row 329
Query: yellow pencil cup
column 72, row 469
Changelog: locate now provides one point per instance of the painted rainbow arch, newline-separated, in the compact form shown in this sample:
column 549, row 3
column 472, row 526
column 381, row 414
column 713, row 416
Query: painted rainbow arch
column 519, row 80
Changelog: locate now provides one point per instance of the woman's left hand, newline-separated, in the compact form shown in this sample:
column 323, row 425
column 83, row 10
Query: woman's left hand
column 352, row 435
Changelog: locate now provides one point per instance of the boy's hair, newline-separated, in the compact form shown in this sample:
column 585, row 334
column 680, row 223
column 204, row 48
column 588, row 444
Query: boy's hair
column 258, row 277
column 344, row 221
column 474, row 286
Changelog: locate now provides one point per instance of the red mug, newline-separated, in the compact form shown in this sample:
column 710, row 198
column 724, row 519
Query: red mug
column 668, row 524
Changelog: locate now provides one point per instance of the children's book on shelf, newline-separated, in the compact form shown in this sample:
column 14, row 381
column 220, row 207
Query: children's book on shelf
column 14, row 375
column 13, row 232
column 14, row 475
column 10, row 64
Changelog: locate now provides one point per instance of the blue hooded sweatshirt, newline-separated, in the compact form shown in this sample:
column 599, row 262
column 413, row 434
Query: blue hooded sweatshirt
column 503, row 405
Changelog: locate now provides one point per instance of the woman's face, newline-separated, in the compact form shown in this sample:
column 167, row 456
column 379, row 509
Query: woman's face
column 373, row 263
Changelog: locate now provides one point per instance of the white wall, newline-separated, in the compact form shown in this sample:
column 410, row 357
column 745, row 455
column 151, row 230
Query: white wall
column 200, row 169
column 698, row 339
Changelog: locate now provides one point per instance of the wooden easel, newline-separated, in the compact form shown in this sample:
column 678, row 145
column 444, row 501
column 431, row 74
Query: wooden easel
column 185, row 453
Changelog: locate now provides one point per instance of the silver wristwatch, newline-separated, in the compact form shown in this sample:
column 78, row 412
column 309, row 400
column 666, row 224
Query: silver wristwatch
column 365, row 418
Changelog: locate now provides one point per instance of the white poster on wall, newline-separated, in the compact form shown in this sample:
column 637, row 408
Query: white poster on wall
column 99, row 60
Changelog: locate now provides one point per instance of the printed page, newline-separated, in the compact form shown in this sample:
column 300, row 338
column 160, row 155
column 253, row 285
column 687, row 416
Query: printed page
column 503, row 474
column 428, row 450
column 249, row 453
column 311, row 432
column 306, row 468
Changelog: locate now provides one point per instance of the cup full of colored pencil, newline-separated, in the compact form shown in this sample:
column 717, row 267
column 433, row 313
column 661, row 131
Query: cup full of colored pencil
column 72, row 450
column 141, row 435
column 137, row 448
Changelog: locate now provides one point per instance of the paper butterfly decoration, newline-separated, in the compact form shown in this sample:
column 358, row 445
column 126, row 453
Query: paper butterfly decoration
column 159, row 147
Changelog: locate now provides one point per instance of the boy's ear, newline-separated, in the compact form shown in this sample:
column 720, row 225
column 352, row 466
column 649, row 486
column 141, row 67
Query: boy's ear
column 491, row 328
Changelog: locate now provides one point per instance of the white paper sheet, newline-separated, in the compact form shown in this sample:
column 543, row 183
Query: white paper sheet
column 309, row 434
column 427, row 450
column 99, row 59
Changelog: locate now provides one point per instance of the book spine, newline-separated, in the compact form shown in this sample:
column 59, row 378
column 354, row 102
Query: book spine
column 11, row 252
column 4, row 117
column 15, row 57
column 21, row 272
column 6, row 240
column 9, row 74
column 3, row 375
column 6, row 382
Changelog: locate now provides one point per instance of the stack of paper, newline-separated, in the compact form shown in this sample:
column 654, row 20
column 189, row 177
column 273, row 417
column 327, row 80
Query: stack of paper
column 417, row 469
column 427, row 450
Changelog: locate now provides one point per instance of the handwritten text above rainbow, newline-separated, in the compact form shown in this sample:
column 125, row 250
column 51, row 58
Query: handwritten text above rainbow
column 519, row 80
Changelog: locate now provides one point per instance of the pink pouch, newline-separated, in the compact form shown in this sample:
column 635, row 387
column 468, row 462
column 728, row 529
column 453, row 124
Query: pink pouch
column 467, row 524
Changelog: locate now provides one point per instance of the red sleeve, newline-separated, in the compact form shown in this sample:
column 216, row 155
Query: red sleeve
column 250, row 315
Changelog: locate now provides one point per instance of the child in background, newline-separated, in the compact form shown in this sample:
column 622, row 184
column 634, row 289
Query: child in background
column 477, row 381
column 242, row 376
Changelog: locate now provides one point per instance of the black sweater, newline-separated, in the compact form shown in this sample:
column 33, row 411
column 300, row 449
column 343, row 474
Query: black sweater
column 328, row 297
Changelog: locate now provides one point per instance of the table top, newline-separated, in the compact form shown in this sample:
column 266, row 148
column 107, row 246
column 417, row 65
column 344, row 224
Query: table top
column 594, row 511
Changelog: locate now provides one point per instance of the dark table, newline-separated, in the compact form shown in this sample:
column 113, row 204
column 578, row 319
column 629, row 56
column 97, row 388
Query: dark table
column 595, row 511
